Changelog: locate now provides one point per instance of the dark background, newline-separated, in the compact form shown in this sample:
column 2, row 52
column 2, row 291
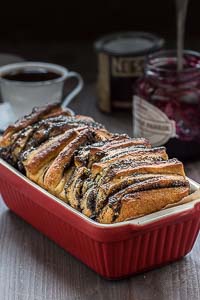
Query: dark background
column 86, row 20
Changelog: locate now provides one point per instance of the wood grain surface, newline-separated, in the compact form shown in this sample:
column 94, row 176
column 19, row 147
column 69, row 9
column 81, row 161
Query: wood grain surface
column 34, row 268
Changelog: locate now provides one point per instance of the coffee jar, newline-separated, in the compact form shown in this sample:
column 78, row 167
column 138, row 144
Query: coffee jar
column 120, row 63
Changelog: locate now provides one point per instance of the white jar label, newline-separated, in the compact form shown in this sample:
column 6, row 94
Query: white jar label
column 150, row 122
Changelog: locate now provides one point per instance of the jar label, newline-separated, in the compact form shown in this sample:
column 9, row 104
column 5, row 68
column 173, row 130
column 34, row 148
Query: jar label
column 127, row 66
column 150, row 122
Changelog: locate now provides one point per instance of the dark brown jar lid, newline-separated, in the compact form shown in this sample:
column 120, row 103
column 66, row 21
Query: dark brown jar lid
column 129, row 43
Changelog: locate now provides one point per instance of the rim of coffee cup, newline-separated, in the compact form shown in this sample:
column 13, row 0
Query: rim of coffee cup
column 21, row 65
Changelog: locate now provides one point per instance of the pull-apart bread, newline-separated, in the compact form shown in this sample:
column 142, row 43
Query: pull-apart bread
column 108, row 177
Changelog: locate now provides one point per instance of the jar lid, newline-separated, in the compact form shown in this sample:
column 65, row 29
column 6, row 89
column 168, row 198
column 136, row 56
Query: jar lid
column 129, row 43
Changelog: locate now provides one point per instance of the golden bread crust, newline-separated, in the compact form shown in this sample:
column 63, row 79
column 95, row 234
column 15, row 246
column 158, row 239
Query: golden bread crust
column 142, row 203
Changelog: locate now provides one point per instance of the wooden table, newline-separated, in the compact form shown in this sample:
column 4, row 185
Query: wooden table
column 34, row 268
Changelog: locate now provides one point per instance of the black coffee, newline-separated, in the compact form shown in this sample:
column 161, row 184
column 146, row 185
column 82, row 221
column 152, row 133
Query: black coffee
column 31, row 75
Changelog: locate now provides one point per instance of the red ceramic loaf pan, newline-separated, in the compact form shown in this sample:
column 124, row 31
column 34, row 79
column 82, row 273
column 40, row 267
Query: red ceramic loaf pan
column 114, row 250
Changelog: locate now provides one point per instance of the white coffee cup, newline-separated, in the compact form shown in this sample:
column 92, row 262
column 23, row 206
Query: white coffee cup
column 24, row 95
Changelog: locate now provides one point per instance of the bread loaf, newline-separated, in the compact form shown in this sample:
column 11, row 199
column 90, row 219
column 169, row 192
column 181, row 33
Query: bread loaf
column 108, row 177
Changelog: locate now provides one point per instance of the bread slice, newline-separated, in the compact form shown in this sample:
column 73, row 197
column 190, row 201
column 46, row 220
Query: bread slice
column 38, row 158
column 130, row 154
column 143, row 198
column 63, row 159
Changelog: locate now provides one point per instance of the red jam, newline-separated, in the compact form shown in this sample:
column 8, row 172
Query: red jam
column 177, row 95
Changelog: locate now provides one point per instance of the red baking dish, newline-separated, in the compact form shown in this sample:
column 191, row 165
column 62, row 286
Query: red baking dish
column 113, row 250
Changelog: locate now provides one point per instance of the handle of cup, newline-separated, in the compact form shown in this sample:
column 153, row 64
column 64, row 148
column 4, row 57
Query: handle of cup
column 75, row 91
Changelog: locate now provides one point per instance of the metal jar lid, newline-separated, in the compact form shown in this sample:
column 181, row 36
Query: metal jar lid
column 129, row 43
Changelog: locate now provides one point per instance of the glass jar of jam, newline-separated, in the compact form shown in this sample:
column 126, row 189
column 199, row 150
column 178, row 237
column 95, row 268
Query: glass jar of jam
column 166, row 105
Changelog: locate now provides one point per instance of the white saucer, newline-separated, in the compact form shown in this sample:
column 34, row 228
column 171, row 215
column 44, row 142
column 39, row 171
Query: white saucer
column 6, row 116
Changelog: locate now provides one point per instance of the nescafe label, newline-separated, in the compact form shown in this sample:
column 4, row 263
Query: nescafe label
column 127, row 66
